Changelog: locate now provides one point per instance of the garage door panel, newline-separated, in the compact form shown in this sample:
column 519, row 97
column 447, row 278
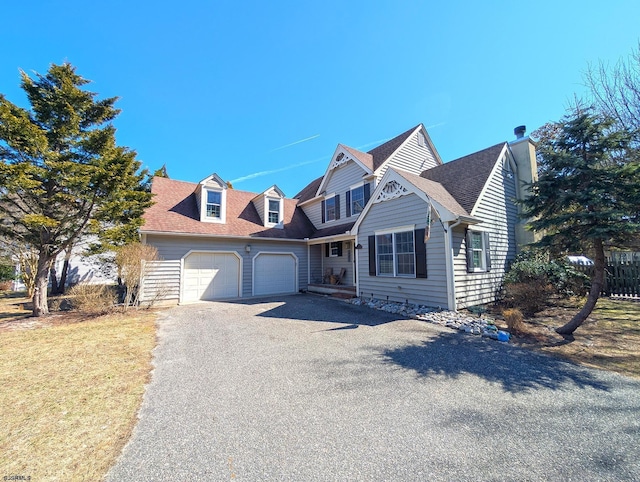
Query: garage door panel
column 274, row 274
column 210, row 276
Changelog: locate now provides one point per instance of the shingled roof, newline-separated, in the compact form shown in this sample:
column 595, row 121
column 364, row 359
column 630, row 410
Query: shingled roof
column 383, row 151
column 372, row 159
column 465, row 177
column 175, row 211
column 435, row 191
column 309, row 191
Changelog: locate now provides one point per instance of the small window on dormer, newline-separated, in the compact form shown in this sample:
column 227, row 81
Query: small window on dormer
column 214, row 203
column 274, row 211
column 422, row 142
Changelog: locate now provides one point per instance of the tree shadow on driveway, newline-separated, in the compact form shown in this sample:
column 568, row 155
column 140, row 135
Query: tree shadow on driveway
column 453, row 354
column 318, row 308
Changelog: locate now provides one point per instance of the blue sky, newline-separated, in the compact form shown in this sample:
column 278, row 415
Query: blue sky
column 262, row 92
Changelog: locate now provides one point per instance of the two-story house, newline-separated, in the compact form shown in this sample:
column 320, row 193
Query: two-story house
column 395, row 222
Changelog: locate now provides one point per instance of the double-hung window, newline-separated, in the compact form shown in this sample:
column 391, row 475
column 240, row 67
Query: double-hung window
column 214, row 203
column 274, row 211
column 357, row 200
column 330, row 209
column 396, row 254
column 478, row 251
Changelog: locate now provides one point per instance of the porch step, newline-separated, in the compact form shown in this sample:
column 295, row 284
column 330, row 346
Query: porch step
column 343, row 295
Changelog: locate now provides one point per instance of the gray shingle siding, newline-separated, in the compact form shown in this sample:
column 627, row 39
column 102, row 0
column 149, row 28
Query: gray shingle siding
column 403, row 211
column 499, row 214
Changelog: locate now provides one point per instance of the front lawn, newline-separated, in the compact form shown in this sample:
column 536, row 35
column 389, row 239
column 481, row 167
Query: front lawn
column 71, row 389
column 609, row 339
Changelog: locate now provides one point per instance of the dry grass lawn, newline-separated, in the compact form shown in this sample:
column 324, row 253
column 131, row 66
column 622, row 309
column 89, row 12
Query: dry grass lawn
column 609, row 339
column 71, row 388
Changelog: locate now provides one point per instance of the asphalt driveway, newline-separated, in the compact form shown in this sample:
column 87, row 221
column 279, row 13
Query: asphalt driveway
column 309, row 388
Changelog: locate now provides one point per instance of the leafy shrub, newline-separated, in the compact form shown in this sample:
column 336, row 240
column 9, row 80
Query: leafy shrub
column 530, row 297
column 534, row 277
column 514, row 319
column 6, row 270
column 92, row 299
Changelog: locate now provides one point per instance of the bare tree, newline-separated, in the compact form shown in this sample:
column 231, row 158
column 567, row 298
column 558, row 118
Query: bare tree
column 616, row 90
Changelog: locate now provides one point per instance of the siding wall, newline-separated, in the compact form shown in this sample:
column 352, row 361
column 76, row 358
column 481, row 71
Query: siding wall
column 161, row 281
column 339, row 182
column 338, row 262
column 315, row 264
column 500, row 217
column 411, row 158
column 403, row 211
column 258, row 202
column 173, row 248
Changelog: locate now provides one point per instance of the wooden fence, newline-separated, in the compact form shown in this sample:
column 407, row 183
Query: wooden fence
column 622, row 278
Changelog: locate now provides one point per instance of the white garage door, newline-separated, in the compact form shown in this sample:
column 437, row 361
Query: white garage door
column 210, row 276
column 274, row 274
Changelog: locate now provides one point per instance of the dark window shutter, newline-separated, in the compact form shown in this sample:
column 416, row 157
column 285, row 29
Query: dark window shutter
column 487, row 251
column 367, row 193
column 469, row 248
column 337, row 206
column 372, row 255
column 327, row 250
column 421, row 254
column 339, row 248
column 323, row 211
column 348, row 206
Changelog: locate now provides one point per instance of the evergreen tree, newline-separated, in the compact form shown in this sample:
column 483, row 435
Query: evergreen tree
column 587, row 194
column 62, row 176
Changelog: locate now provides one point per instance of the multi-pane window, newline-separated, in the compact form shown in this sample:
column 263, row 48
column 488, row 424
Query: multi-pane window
column 405, row 255
column 477, row 246
column 330, row 207
column 357, row 200
column 274, row 211
column 396, row 254
column 334, row 249
column 214, row 201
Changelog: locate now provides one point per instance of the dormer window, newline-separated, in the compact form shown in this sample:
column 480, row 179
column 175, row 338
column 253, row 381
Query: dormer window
column 214, row 204
column 274, row 211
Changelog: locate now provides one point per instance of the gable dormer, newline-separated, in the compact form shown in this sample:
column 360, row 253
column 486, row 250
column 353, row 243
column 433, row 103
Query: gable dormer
column 342, row 156
column 211, row 197
column 270, row 207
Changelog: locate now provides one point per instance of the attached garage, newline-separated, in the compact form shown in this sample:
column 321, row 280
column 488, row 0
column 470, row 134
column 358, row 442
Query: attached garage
column 210, row 275
column 275, row 273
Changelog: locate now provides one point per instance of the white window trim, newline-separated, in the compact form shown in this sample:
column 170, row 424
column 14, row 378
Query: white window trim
column 326, row 217
column 203, row 205
column 351, row 189
column 483, row 252
column 394, row 231
column 331, row 255
column 280, row 211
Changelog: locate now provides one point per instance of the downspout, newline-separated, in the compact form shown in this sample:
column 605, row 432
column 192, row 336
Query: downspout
column 356, row 276
column 451, row 276
column 308, row 263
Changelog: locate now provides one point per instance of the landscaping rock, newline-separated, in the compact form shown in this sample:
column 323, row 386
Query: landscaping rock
column 481, row 325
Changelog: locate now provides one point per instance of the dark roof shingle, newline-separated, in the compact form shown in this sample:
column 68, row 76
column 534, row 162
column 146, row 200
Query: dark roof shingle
column 383, row 151
column 175, row 211
column 465, row 177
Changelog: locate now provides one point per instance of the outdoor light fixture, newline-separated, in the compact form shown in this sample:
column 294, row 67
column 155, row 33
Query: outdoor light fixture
column 247, row 248
column 358, row 246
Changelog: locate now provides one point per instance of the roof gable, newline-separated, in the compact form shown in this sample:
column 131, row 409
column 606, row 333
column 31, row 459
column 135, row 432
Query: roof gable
column 465, row 178
column 341, row 156
column 396, row 183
